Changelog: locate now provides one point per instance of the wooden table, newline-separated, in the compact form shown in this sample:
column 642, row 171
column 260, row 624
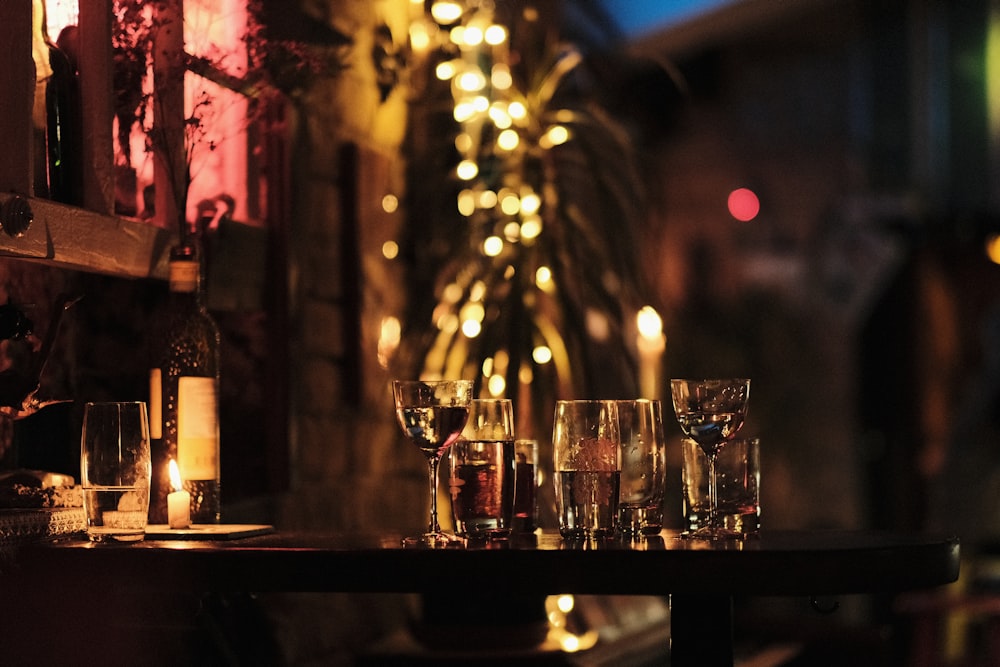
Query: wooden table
column 700, row 578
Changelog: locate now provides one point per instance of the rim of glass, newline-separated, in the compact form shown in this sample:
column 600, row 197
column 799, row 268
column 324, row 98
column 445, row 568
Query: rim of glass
column 732, row 379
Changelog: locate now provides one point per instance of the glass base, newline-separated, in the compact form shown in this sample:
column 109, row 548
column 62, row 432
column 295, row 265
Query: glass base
column 713, row 534
column 433, row 541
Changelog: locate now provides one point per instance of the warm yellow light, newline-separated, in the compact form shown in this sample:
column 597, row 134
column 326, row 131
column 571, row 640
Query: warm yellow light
column 495, row 35
column 487, row 199
column 473, row 311
column 541, row 354
column 480, row 103
column 649, row 323
column 471, row 328
column 477, row 291
column 499, row 115
column 525, row 374
column 464, row 110
column 557, row 134
column 390, row 333
column 446, row 12
column 466, row 202
column 471, row 80
column 390, row 203
column 492, row 246
column 473, row 35
column 530, row 227
column 993, row 248
column 510, row 204
column 543, row 275
column 467, row 170
column 420, row 39
column 451, row 293
column 390, row 250
column 496, row 385
column 597, row 325
column 463, row 142
column 447, row 323
column 512, row 231
column 564, row 603
column 530, row 203
column 517, row 110
column 501, row 77
column 445, row 70
column 508, row 140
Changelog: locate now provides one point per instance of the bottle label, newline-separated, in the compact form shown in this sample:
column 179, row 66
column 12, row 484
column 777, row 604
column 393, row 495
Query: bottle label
column 155, row 404
column 197, row 428
column 183, row 276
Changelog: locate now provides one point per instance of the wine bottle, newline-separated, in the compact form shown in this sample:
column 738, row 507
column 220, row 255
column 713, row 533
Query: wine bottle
column 64, row 132
column 184, row 395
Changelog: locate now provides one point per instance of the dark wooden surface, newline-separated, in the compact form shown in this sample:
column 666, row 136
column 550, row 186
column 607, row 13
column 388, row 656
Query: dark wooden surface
column 776, row 563
column 160, row 602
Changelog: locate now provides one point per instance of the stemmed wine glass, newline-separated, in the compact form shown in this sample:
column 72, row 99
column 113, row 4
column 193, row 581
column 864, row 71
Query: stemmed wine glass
column 432, row 414
column 710, row 412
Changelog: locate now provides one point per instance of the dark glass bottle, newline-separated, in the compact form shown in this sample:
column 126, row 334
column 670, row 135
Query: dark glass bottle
column 184, row 395
column 63, row 130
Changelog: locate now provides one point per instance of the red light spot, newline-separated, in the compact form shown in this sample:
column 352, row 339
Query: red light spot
column 743, row 204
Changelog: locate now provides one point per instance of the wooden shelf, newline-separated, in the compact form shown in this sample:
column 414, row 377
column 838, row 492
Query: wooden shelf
column 78, row 239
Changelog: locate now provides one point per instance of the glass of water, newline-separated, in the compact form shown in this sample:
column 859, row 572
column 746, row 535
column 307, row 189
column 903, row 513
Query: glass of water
column 115, row 469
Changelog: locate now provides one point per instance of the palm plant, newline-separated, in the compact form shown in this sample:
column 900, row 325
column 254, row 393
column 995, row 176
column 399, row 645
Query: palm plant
column 529, row 285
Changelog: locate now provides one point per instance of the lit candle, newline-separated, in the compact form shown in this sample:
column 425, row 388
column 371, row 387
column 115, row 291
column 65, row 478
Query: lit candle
column 178, row 501
column 651, row 344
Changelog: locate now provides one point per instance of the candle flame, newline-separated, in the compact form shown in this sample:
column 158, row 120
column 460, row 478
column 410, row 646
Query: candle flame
column 175, row 476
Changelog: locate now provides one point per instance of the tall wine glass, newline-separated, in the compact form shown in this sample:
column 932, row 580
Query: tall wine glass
column 432, row 414
column 710, row 412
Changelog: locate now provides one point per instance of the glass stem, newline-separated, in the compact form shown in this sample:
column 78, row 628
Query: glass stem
column 713, row 494
column 432, row 467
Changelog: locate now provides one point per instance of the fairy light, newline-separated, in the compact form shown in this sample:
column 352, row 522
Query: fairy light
column 473, row 36
column 495, row 35
column 542, row 354
column 487, row 199
column 493, row 246
column 508, row 140
column 501, row 77
column 445, row 12
column 496, row 385
column 510, row 204
column 531, row 227
column 466, row 202
column 471, row 80
column 390, row 203
column 390, row 250
column 512, row 232
column 530, row 203
column 467, row 170
column 445, row 70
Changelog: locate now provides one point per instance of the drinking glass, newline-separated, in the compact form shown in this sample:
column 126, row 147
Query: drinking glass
column 432, row 414
column 115, row 470
column 586, row 456
column 710, row 412
column 643, row 467
column 482, row 471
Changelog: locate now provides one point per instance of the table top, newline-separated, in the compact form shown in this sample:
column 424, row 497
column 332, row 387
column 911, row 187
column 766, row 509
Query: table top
column 775, row 563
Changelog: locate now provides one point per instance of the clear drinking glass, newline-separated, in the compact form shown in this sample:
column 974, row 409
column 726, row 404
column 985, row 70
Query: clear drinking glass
column 432, row 414
column 586, row 456
column 643, row 467
column 482, row 471
column 115, row 470
column 710, row 412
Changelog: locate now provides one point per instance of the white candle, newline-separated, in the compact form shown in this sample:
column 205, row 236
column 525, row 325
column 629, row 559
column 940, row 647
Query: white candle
column 178, row 501
column 650, row 344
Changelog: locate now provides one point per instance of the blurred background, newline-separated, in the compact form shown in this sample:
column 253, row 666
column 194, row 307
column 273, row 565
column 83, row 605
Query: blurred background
column 588, row 199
